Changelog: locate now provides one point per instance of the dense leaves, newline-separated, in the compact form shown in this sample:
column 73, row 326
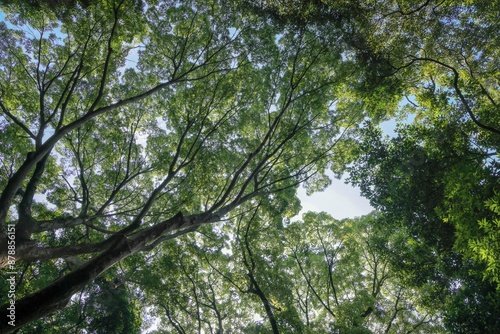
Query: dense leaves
column 436, row 186
column 135, row 122
column 151, row 152
column 313, row 276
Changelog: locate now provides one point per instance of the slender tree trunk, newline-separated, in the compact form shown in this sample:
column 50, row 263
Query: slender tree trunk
column 267, row 305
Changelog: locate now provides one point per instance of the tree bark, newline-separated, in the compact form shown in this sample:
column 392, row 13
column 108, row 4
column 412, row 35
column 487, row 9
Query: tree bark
column 58, row 294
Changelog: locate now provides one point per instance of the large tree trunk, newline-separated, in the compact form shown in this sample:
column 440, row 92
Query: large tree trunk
column 56, row 295
column 30, row 251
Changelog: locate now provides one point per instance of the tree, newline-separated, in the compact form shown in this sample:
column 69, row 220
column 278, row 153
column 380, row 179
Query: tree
column 313, row 276
column 106, row 306
column 436, row 184
column 442, row 48
column 128, row 125
column 349, row 283
column 105, row 158
column 437, row 180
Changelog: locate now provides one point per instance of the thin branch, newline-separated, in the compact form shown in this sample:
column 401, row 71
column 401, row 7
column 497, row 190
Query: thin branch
column 462, row 98
column 16, row 120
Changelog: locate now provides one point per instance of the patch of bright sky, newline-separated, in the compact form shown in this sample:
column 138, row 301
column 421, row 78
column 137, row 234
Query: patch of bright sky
column 341, row 200
column 31, row 31
column 2, row 19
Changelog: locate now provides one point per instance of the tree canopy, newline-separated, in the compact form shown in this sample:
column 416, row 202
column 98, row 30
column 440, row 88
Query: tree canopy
column 151, row 152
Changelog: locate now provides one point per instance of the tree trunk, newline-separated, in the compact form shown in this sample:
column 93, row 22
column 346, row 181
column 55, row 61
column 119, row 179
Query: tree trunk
column 56, row 295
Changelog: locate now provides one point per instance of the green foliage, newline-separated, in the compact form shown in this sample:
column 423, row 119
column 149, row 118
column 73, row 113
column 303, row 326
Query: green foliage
column 318, row 275
column 485, row 248
column 436, row 185
column 103, row 307
column 127, row 115
column 128, row 125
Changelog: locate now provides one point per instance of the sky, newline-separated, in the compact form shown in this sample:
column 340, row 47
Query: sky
column 341, row 200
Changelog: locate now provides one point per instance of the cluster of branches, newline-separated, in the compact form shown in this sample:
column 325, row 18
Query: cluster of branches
column 313, row 276
column 128, row 124
column 108, row 168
